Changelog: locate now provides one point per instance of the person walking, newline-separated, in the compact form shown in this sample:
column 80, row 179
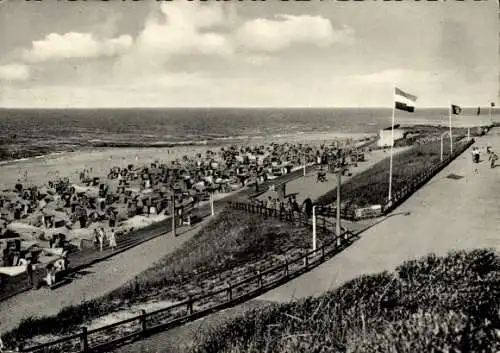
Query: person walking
column 101, row 238
column 308, row 206
column 29, row 270
column 493, row 159
column 112, row 239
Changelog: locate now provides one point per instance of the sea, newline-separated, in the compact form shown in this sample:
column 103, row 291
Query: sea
column 202, row 125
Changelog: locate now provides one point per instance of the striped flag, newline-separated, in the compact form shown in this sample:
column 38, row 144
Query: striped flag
column 455, row 109
column 404, row 101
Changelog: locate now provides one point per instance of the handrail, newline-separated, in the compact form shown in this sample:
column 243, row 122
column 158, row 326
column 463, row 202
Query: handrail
column 323, row 250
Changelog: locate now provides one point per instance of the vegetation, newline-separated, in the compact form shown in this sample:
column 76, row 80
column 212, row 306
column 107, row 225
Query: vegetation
column 435, row 304
column 231, row 240
column 371, row 186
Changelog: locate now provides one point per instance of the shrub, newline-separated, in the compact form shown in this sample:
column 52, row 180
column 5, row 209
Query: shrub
column 435, row 304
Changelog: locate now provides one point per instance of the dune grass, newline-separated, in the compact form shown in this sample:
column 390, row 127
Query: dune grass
column 231, row 240
column 434, row 304
column 371, row 187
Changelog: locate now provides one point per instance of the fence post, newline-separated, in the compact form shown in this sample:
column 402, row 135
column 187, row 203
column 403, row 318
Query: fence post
column 143, row 321
column 84, row 340
column 190, row 306
column 229, row 291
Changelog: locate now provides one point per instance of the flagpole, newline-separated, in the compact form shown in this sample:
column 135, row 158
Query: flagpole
column 451, row 136
column 392, row 140
column 489, row 114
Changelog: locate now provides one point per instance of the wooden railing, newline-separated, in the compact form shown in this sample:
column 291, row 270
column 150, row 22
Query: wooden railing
column 193, row 308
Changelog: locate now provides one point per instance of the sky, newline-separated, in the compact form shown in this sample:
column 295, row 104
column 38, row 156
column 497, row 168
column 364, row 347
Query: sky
column 274, row 53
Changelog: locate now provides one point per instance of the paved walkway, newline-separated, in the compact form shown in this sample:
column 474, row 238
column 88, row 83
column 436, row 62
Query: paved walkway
column 95, row 281
column 464, row 214
column 445, row 214
column 304, row 187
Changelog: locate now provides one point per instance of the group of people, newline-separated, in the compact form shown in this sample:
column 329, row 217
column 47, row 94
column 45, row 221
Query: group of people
column 492, row 156
column 290, row 206
column 100, row 237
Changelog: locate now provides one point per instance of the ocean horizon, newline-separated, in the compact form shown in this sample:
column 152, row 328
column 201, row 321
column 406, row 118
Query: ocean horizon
column 198, row 125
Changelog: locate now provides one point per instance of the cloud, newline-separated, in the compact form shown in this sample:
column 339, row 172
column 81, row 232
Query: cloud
column 399, row 77
column 14, row 72
column 274, row 35
column 176, row 29
column 76, row 45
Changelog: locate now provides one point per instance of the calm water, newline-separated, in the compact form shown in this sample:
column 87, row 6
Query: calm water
column 176, row 125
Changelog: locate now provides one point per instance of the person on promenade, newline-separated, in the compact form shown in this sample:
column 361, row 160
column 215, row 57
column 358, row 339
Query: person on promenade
column 101, row 238
column 29, row 270
column 96, row 238
column 308, row 206
column 493, row 159
column 296, row 208
column 269, row 204
column 112, row 239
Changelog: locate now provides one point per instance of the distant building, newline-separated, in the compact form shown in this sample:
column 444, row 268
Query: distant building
column 385, row 136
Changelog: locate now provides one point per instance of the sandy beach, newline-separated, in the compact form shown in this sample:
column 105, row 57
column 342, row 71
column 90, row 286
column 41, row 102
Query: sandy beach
column 39, row 170
column 68, row 164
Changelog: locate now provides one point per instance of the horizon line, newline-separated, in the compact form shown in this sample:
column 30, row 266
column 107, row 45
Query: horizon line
column 239, row 107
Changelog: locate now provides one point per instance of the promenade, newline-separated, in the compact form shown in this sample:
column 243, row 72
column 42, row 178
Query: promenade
column 95, row 281
column 461, row 212
column 309, row 187
column 445, row 214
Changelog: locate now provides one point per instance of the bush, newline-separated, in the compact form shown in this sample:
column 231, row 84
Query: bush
column 435, row 304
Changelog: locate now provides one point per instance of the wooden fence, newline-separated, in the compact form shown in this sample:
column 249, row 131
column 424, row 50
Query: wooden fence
column 193, row 308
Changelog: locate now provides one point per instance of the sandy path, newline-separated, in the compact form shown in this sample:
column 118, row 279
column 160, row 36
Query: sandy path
column 96, row 281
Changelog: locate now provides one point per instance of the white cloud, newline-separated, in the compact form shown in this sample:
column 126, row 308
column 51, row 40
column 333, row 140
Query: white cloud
column 14, row 72
column 180, row 28
column 274, row 35
column 76, row 45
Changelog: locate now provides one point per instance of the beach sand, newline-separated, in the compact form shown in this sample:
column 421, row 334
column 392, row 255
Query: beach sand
column 40, row 170
column 68, row 164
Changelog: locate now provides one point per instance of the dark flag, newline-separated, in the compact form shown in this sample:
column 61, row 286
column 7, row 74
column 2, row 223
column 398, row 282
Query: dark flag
column 478, row 110
column 404, row 101
column 492, row 104
column 455, row 109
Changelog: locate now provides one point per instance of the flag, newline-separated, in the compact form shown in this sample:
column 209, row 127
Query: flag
column 478, row 110
column 455, row 109
column 404, row 101
column 492, row 104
